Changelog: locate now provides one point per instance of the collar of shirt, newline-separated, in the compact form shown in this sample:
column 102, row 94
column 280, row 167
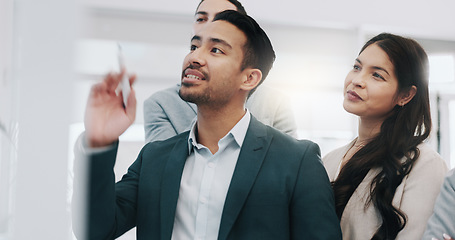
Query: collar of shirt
column 238, row 132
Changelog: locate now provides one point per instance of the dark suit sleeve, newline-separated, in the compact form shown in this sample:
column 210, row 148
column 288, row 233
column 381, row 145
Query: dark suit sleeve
column 104, row 209
column 312, row 208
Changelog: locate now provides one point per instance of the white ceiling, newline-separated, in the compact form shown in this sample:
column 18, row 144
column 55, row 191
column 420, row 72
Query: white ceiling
column 419, row 18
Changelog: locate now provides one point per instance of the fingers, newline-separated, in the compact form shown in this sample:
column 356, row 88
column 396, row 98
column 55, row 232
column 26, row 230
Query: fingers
column 131, row 106
column 112, row 81
column 108, row 85
column 97, row 88
column 106, row 118
column 446, row 236
column 132, row 79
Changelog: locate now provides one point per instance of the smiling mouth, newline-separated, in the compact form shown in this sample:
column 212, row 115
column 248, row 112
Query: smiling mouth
column 191, row 76
column 353, row 95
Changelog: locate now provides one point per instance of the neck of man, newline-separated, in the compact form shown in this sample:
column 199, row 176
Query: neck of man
column 214, row 123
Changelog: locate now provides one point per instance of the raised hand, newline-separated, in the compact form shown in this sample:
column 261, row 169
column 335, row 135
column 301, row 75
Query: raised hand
column 106, row 118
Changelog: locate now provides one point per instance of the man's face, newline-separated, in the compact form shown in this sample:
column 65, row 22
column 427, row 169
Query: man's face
column 212, row 72
column 207, row 11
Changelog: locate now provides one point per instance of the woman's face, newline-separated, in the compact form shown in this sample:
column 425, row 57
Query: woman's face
column 371, row 87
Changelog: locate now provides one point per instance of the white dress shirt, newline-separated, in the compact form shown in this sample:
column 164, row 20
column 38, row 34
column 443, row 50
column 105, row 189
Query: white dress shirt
column 205, row 181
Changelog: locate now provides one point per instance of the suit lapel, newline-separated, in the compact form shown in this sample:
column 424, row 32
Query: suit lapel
column 171, row 184
column 250, row 160
column 192, row 106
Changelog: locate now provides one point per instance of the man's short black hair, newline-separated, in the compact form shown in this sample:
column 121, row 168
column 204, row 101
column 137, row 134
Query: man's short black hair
column 258, row 50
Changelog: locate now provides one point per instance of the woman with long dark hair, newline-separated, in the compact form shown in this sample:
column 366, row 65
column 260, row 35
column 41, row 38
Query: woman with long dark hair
column 386, row 180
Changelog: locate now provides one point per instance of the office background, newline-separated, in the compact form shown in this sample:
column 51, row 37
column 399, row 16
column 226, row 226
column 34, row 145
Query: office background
column 50, row 56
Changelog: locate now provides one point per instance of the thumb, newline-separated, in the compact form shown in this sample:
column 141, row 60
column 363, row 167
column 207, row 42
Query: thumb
column 131, row 106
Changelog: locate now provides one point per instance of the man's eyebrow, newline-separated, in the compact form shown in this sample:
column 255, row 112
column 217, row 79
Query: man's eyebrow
column 196, row 38
column 221, row 41
column 213, row 40
column 201, row 13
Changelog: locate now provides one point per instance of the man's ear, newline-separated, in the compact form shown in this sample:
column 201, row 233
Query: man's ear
column 407, row 96
column 252, row 78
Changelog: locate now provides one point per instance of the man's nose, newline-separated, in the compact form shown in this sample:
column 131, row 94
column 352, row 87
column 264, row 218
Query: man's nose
column 197, row 57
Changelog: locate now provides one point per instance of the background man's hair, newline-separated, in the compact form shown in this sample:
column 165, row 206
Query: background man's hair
column 236, row 3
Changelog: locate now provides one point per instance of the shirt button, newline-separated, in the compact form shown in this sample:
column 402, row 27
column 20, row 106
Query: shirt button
column 203, row 200
column 211, row 165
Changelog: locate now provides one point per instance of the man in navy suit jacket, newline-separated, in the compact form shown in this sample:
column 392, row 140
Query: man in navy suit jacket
column 229, row 177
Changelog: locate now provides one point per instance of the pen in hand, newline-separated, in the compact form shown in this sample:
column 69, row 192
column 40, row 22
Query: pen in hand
column 125, row 85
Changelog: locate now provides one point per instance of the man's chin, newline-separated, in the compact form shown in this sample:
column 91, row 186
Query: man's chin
column 186, row 84
column 184, row 95
column 192, row 97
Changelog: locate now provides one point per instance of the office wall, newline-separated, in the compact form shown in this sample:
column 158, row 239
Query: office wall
column 7, row 117
column 37, row 72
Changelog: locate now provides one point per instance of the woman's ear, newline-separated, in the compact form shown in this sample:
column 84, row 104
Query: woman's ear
column 252, row 78
column 407, row 96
